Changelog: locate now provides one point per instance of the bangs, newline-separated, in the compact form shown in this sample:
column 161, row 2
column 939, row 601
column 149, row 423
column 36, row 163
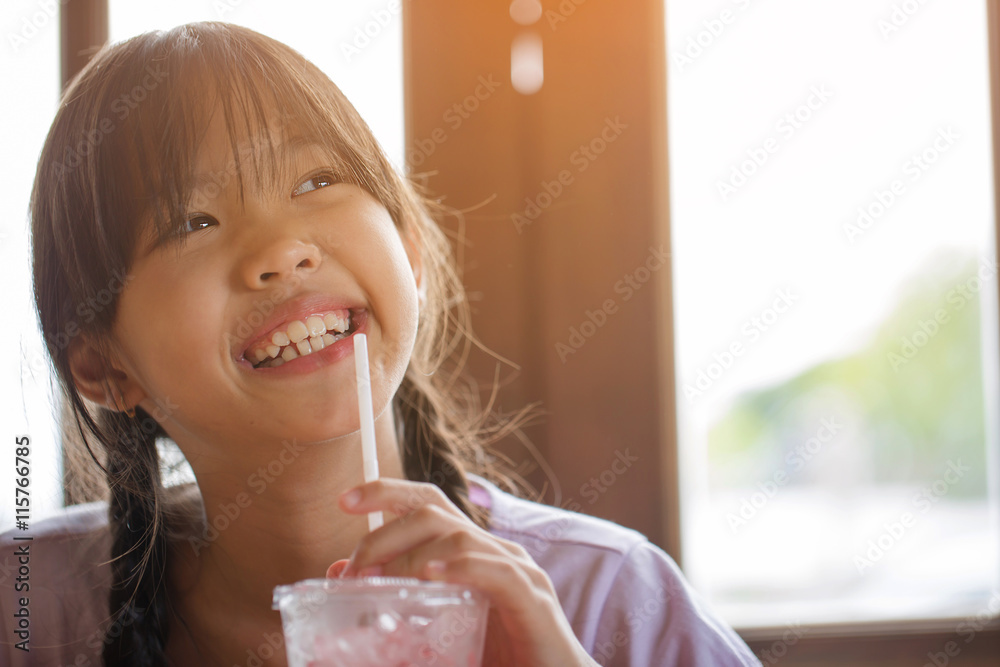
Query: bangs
column 270, row 99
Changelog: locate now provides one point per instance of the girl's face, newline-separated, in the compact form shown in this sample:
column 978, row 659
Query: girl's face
column 196, row 316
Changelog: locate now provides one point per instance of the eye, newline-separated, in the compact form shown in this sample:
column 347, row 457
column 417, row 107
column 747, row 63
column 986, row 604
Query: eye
column 316, row 182
column 197, row 222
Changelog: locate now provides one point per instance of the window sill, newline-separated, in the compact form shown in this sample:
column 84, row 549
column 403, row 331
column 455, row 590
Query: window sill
column 947, row 641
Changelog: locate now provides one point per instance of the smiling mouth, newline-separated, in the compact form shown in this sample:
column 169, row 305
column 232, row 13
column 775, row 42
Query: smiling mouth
column 300, row 338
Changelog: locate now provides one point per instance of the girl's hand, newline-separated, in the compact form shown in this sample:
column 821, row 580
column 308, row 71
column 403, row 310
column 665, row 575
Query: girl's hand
column 432, row 539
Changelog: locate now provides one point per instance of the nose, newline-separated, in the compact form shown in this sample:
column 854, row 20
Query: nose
column 282, row 261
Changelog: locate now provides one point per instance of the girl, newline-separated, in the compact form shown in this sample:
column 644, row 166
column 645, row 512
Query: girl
column 212, row 223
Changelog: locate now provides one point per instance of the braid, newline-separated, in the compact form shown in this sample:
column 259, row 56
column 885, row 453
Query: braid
column 139, row 546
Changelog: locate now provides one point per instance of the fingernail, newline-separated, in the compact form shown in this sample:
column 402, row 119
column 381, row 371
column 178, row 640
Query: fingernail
column 435, row 568
column 336, row 571
column 351, row 498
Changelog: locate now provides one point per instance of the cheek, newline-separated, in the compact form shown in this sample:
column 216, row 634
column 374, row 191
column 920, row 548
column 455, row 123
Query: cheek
column 391, row 278
column 404, row 288
column 395, row 293
column 167, row 325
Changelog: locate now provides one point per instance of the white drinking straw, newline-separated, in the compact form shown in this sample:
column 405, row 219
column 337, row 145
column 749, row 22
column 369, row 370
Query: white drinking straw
column 367, row 416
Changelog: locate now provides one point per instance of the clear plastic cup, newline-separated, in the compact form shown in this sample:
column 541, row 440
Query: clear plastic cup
column 381, row 622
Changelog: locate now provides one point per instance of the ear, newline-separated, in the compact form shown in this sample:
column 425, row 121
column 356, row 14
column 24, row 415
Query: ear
column 101, row 380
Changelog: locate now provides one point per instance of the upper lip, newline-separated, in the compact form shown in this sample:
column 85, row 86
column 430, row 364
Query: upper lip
column 286, row 312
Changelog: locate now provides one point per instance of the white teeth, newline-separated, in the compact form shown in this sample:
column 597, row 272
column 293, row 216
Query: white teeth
column 300, row 338
column 297, row 331
column 334, row 322
column 315, row 326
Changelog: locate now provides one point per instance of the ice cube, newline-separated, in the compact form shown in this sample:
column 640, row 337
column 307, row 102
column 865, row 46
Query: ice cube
column 387, row 622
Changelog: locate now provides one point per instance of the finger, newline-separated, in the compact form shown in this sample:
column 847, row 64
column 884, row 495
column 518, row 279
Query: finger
column 504, row 581
column 413, row 562
column 405, row 497
column 398, row 496
column 398, row 537
column 514, row 549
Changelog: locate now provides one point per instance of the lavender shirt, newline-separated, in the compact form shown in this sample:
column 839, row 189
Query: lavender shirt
column 625, row 599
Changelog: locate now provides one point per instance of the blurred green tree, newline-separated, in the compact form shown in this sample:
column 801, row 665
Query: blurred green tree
column 912, row 398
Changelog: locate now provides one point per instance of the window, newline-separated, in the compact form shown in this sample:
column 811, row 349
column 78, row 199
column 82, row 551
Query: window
column 835, row 308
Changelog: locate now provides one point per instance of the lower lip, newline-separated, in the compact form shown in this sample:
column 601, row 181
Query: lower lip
column 330, row 354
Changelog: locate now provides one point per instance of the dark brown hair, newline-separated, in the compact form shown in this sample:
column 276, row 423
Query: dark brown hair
column 120, row 150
